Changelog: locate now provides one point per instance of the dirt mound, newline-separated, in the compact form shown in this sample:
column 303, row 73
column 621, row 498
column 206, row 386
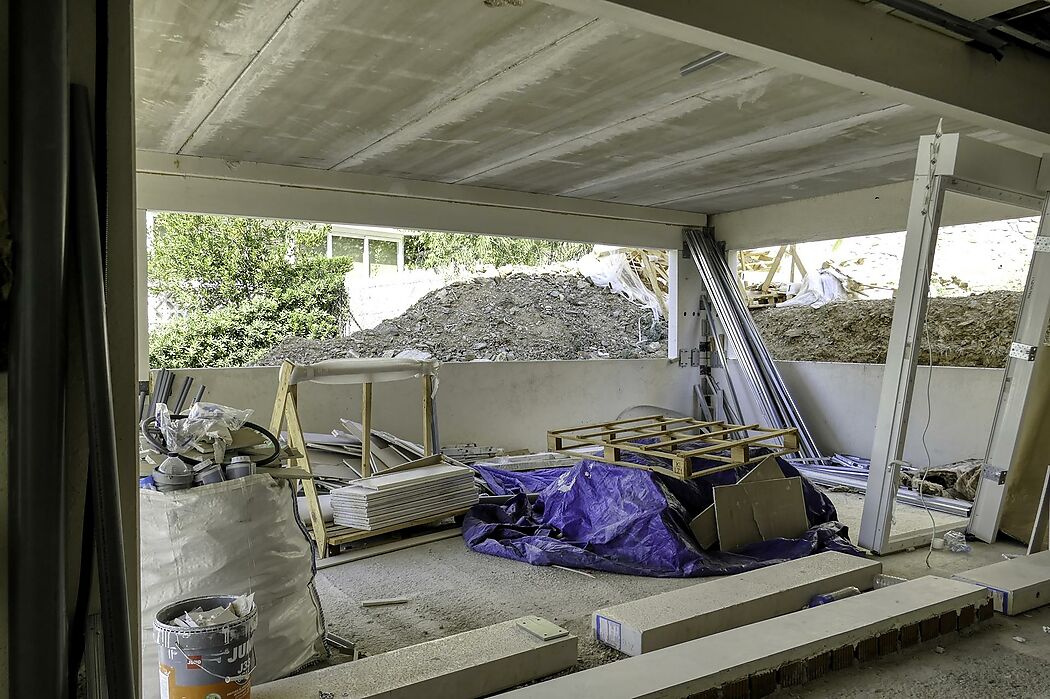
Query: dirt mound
column 519, row 316
column 964, row 331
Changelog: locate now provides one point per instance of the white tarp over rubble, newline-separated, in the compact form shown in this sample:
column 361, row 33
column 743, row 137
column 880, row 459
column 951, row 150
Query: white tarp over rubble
column 237, row 537
column 817, row 290
column 613, row 270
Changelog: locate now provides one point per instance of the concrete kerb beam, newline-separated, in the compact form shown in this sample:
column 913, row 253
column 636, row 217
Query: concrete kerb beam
column 785, row 650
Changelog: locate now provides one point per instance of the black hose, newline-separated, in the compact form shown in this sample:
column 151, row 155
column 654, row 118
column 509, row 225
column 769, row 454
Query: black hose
column 39, row 104
column 103, row 480
column 153, row 435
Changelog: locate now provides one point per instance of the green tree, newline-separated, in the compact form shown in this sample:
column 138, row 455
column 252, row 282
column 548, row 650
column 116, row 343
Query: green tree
column 436, row 249
column 243, row 285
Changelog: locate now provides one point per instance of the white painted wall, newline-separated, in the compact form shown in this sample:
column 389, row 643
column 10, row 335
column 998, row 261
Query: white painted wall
column 840, row 402
column 513, row 404
column 506, row 404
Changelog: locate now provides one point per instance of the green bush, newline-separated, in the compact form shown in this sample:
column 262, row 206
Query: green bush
column 243, row 285
column 435, row 249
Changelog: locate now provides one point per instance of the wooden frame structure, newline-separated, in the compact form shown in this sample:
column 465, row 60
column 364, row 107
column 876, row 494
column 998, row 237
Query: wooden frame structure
column 704, row 439
column 286, row 411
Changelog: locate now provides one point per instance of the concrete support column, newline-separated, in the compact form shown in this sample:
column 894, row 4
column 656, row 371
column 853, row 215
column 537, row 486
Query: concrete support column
column 685, row 322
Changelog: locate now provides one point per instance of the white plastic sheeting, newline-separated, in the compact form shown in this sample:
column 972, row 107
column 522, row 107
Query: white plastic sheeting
column 817, row 290
column 232, row 538
column 614, row 271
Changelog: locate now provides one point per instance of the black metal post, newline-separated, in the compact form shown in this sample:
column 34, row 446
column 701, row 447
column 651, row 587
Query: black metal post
column 38, row 627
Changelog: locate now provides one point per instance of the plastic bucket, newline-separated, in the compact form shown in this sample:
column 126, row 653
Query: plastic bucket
column 240, row 467
column 210, row 662
column 208, row 475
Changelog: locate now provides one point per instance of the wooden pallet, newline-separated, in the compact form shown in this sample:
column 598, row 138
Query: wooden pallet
column 337, row 535
column 678, row 441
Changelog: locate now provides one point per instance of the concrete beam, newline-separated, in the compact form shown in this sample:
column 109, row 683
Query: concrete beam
column 688, row 613
column 861, row 627
column 472, row 664
column 1017, row 585
column 869, row 211
column 214, row 186
column 848, row 44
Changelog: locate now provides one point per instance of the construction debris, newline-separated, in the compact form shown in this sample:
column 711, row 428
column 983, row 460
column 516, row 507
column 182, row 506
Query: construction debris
column 386, row 602
column 851, row 472
column 965, row 331
column 520, row 316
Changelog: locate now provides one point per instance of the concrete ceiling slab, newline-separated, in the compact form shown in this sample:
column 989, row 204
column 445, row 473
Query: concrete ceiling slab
column 187, row 55
column 528, row 98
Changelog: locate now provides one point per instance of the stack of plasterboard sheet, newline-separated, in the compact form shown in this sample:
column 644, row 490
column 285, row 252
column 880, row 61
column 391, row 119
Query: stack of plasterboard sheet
column 397, row 498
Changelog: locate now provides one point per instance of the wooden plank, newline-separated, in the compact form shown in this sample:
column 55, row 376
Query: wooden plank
column 283, row 378
column 298, row 440
column 388, row 547
column 608, row 423
column 337, row 536
column 613, row 428
column 366, row 430
column 757, row 439
column 689, row 438
column 428, row 415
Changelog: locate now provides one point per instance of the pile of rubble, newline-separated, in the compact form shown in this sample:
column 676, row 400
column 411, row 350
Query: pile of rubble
column 971, row 331
column 514, row 317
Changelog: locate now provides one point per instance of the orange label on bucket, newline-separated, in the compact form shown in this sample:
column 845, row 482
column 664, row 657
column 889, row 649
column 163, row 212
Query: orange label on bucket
column 219, row 689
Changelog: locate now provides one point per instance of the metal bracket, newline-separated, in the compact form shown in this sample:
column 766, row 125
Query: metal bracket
column 696, row 357
column 994, row 473
column 1042, row 243
column 542, row 629
column 1019, row 350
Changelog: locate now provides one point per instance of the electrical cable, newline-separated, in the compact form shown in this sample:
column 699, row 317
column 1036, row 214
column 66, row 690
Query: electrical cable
column 929, row 219
column 925, row 429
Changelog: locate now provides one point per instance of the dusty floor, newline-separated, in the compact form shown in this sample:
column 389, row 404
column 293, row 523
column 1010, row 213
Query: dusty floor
column 453, row 589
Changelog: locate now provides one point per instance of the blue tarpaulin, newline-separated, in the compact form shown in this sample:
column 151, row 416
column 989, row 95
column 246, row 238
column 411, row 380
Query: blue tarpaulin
column 626, row 520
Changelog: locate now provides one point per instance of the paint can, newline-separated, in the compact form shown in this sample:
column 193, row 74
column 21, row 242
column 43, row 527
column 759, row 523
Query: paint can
column 240, row 467
column 207, row 472
column 209, row 662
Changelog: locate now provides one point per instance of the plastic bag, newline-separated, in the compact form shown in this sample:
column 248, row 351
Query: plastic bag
column 176, row 438
column 232, row 538
column 614, row 271
column 212, row 413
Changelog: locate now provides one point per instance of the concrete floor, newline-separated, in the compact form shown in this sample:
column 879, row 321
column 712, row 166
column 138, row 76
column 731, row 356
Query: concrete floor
column 453, row 589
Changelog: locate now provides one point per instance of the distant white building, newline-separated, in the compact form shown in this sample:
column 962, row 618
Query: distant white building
column 375, row 251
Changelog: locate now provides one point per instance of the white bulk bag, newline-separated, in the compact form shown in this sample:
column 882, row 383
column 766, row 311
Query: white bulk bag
column 232, row 538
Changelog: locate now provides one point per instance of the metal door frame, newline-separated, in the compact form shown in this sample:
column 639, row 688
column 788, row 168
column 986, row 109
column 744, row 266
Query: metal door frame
column 955, row 163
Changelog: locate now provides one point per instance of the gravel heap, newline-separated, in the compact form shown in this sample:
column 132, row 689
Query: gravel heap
column 964, row 331
column 514, row 317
